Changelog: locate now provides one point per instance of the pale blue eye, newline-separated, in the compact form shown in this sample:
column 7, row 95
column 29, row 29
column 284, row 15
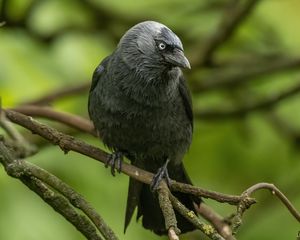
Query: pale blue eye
column 161, row 46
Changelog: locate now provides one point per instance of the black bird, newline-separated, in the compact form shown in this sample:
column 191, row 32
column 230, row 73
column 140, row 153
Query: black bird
column 140, row 105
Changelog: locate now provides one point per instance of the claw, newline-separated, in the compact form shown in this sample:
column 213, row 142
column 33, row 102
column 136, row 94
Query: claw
column 161, row 174
column 115, row 162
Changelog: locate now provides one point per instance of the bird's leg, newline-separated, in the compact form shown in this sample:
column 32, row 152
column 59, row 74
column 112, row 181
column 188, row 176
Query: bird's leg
column 115, row 161
column 158, row 177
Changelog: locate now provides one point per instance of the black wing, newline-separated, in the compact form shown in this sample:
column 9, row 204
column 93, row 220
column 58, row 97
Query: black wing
column 186, row 99
column 97, row 73
column 97, row 76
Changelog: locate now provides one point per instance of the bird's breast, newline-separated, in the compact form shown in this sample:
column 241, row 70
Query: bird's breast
column 147, row 132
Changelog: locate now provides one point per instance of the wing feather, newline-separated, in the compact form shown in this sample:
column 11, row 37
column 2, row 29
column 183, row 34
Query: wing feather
column 186, row 99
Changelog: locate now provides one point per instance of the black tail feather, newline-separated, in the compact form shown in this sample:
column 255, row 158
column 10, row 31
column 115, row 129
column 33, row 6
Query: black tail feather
column 133, row 199
column 139, row 195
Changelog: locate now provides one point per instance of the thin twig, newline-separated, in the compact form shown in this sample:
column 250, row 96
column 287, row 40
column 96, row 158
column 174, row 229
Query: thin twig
column 216, row 220
column 68, row 119
column 236, row 220
column 167, row 209
column 13, row 133
column 276, row 192
column 207, row 229
column 172, row 234
column 8, row 127
column 199, row 192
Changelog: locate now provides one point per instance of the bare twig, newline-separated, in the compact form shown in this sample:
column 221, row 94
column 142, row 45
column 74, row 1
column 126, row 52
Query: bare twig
column 216, row 220
column 276, row 192
column 199, row 192
column 167, row 209
column 243, row 205
column 172, row 234
column 9, row 129
column 208, row 230
column 13, row 133
column 236, row 220
column 266, row 104
column 234, row 15
column 68, row 119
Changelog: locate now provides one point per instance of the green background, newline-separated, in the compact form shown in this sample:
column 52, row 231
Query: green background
column 226, row 155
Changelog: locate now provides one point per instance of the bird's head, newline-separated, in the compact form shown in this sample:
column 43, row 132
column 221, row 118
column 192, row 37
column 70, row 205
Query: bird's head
column 152, row 45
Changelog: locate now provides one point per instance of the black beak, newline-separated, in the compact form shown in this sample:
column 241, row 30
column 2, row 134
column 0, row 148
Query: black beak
column 177, row 58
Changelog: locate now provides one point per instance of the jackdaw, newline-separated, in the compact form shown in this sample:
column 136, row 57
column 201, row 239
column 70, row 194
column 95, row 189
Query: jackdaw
column 141, row 107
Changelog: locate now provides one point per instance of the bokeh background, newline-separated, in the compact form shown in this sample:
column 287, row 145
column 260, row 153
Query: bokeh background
column 51, row 44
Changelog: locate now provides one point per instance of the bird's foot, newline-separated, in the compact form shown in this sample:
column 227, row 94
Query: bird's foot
column 115, row 161
column 161, row 174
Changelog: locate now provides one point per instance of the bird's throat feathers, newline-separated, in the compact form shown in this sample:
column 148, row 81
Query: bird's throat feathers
column 146, row 84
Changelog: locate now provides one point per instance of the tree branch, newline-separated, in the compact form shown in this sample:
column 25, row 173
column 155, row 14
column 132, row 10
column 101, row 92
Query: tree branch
column 35, row 178
column 8, row 127
column 235, row 14
column 68, row 119
column 19, row 169
column 266, row 104
column 168, row 211
column 56, row 201
column 276, row 192
column 19, row 140
column 38, row 111
column 172, row 234
column 224, row 79
column 73, row 197
column 208, row 230
column 67, row 143
column 85, row 125
column 216, row 220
